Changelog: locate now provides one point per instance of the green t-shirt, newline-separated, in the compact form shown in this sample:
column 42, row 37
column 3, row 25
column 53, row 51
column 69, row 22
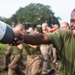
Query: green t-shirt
column 31, row 51
column 65, row 43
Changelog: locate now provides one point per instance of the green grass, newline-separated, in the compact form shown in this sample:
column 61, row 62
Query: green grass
column 26, row 49
column 2, row 50
column 3, row 46
column 15, row 51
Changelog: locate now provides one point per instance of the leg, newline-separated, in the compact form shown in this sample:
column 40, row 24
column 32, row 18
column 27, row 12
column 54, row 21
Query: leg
column 37, row 66
column 14, row 64
column 7, row 58
column 19, row 71
column 46, row 64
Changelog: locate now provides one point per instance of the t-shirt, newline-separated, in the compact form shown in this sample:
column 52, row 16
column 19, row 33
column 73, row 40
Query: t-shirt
column 64, row 41
column 31, row 51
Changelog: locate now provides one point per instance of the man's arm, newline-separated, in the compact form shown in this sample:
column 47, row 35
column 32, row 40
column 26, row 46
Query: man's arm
column 20, row 47
column 33, row 46
column 34, row 39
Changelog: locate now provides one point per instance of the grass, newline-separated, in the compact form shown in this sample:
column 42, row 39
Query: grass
column 15, row 50
column 2, row 50
column 25, row 52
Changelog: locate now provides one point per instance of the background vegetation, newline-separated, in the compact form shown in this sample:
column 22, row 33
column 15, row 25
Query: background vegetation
column 32, row 15
column 3, row 48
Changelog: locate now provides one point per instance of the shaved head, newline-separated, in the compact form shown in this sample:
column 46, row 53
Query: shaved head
column 45, row 24
column 19, row 28
column 73, row 13
column 72, row 22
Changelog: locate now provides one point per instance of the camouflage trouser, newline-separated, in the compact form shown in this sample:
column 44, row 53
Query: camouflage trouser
column 53, row 55
column 14, row 66
column 34, row 65
column 49, row 53
column 7, row 56
column 45, row 51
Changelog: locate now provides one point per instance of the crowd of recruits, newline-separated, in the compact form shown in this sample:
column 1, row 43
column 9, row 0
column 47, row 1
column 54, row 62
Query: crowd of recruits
column 46, row 49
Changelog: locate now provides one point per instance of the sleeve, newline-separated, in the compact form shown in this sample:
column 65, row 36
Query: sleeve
column 56, row 39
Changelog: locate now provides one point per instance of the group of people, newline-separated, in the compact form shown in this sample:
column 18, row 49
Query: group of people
column 8, row 62
column 62, row 39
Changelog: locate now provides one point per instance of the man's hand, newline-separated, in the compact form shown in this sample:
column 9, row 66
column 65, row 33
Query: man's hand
column 18, row 39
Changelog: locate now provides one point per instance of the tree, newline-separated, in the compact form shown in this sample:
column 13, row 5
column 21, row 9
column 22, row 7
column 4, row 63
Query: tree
column 34, row 14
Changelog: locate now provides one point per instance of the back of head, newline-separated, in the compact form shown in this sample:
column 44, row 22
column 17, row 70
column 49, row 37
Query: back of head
column 73, row 13
column 44, row 24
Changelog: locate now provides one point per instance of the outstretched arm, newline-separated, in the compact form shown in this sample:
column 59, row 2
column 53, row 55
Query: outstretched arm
column 34, row 39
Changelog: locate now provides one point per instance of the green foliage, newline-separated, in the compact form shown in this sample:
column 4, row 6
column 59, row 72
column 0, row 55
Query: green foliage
column 26, row 51
column 2, row 46
column 3, row 19
column 34, row 14
column 15, row 50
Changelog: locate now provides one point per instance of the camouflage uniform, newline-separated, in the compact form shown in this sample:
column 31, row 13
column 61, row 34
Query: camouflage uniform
column 15, row 66
column 12, row 62
column 49, row 54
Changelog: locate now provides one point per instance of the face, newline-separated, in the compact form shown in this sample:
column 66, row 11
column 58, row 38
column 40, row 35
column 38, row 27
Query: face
column 44, row 27
column 55, row 27
column 72, row 23
column 19, row 29
column 64, row 26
